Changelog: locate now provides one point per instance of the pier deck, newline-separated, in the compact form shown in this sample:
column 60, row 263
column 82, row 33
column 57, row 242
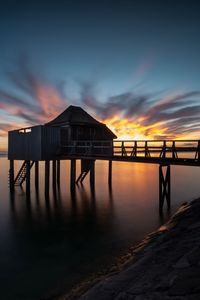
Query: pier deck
column 169, row 152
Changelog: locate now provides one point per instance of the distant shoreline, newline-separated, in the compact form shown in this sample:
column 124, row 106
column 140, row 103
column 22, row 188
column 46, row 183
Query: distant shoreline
column 175, row 246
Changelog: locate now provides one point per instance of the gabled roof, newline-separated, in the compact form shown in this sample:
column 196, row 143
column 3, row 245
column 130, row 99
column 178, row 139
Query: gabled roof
column 75, row 115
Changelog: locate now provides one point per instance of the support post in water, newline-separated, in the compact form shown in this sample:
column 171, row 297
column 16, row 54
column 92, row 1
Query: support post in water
column 36, row 174
column 11, row 175
column 164, row 186
column 110, row 173
column 46, row 178
column 28, row 178
column 92, row 174
column 73, row 174
column 54, row 174
column 58, row 172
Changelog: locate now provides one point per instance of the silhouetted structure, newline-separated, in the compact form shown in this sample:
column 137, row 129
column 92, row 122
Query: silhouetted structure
column 74, row 135
column 74, row 127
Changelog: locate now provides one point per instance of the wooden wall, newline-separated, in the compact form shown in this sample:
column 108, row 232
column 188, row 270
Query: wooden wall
column 34, row 143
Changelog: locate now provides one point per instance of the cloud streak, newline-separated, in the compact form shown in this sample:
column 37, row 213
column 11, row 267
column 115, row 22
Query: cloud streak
column 147, row 114
column 38, row 101
column 129, row 114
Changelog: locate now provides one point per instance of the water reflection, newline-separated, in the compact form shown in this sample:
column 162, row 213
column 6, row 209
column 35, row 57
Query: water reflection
column 53, row 242
column 79, row 207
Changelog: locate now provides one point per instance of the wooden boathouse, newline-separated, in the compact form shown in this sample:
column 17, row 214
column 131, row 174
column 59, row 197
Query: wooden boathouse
column 75, row 135
column 57, row 138
column 73, row 132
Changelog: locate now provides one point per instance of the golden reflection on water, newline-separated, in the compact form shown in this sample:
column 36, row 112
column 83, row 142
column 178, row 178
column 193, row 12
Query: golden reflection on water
column 75, row 234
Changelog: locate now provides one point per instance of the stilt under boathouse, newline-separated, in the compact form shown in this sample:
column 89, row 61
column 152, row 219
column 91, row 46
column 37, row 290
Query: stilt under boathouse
column 75, row 135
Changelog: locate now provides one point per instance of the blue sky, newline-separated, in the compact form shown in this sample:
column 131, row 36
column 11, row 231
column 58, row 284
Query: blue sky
column 102, row 49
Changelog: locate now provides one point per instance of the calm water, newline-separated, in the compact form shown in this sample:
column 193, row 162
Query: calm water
column 47, row 246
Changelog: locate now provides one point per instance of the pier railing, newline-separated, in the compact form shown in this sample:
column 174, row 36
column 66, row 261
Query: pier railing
column 88, row 148
column 188, row 149
column 162, row 149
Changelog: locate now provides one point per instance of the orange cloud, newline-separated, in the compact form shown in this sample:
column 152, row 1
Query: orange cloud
column 50, row 101
column 128, row 129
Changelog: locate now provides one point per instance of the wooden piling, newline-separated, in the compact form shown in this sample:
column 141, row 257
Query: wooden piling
column 47, row 178
column 73, row 174
column 28, row 181
column 36, row 174
column 110, row 172
column 164, row 186
column 92, row 174
column 58, row 172
column 54, row 174
column 11, row 175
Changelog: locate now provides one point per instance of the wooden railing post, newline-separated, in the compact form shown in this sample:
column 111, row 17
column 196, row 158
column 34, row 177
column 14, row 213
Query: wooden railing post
column 147, row 154
column 123, row 149
column 174, row 153
column 134, row 150
column 163, row 150
column 197, row 154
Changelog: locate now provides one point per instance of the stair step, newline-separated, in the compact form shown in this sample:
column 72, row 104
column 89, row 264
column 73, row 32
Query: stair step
column 21, row 176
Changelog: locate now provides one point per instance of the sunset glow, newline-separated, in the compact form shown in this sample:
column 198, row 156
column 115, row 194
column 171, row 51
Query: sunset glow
column 128, row 130
column 128, row 117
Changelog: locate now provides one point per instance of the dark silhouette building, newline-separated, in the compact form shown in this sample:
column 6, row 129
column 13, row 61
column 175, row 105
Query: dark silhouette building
column 73, row 132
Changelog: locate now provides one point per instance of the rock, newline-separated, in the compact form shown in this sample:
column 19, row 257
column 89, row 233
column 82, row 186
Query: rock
column 194, row 256
column 182, row 263
column 185, row 285
column 165, row 266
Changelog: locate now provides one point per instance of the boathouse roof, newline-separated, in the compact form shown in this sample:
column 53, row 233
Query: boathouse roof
column 75, row 115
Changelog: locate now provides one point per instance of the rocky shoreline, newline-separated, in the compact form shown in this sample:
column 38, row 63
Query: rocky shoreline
column 165, row 265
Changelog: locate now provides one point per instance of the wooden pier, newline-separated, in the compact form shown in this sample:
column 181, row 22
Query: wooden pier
column 164, row 153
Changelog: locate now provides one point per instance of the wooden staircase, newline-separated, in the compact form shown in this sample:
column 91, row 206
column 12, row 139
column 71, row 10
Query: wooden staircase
column 82, row 176
column 21, row 176
column 86, row 166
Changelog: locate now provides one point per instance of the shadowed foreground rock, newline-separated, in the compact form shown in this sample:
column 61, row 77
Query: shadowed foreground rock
column 166, row 265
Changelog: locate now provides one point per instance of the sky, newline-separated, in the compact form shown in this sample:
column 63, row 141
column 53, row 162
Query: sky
column 133, row 65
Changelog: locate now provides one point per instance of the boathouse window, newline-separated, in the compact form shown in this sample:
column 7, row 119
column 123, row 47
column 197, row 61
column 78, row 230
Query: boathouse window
column 26, row 130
